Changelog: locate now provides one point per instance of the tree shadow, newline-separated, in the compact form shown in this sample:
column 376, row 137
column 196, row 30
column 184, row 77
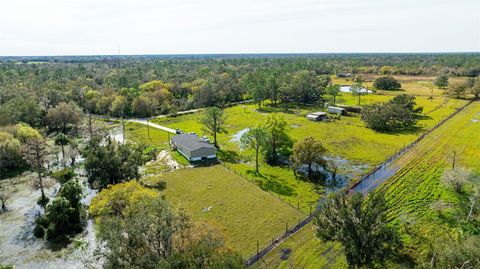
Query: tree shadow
column 10, row 173
column 424, row 117
column 409, row 130
column 229, row 156
column 271, row 183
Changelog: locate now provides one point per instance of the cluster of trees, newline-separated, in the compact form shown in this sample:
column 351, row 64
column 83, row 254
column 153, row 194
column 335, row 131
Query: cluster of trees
column 138, row 229
column 109, row 162
column 462, row 89
column 303, row 86
column 145, row 86
column 22, row 146
column 398, row 113
column 64, row 215
column 361, row 225
column 387, row 83
column 272, row 140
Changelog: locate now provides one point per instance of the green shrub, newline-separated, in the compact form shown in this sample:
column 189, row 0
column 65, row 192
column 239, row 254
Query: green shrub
column 39, row 231
column 64, row 175
column 43, row 201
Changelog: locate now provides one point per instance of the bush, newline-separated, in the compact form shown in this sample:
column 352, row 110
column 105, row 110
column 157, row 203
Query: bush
column 43, row 201
column 38, row 231
column 353, row 109
column 64, row 175
column 387, row 83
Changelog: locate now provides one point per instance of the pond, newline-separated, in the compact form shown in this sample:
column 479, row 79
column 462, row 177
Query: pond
column 236, row 137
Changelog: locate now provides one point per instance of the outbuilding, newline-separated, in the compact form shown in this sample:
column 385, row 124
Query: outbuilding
column 336, row 110
column 193, row 147
column 317, row 116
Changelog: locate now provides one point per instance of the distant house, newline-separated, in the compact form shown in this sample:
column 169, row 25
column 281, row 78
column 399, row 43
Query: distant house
column 344, row 75
column 193, row 147
column 348, row 88
column 317, row 116
column 336, row 110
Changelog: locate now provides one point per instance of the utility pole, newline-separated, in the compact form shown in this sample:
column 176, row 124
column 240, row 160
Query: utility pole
column 123, row 131
column 90, row 128
column 454, row 159
column 148, row 129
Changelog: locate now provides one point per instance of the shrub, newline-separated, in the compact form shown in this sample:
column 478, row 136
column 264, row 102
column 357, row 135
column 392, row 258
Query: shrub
column 387, row 83
column 43, row 201
column 38, row 231
column 353, row 109
column 64, row 175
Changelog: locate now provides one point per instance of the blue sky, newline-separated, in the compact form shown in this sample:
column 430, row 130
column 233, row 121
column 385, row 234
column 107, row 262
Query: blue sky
column 79, row 27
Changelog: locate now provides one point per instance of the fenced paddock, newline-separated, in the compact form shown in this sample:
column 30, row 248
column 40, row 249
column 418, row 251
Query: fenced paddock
column 237, row 208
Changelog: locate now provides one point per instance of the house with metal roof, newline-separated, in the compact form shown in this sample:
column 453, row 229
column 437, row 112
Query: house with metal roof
column 193, row 147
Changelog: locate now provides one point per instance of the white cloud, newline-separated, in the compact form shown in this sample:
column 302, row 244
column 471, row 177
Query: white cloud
column 59, row 27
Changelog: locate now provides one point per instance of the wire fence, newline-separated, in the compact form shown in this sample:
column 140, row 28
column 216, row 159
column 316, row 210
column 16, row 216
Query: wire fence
column 371, row 175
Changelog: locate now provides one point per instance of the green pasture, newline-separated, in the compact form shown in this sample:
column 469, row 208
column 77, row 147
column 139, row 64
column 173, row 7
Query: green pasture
column 347, row 138
column 415, row 186
column 243, row 213
column 409, row 193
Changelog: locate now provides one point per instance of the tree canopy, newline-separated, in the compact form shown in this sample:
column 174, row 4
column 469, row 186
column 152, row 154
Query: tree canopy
column 386, row 83
column 398, row 113
column 360, row 224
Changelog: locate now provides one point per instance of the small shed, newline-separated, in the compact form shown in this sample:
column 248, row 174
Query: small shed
column 317, row 116
column 336, row 110
column 193, row 147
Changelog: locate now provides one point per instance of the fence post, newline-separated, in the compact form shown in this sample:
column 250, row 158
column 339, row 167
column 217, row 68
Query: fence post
column 310, row 214
column 286, row 227
column 257, row 247
column 298, row 205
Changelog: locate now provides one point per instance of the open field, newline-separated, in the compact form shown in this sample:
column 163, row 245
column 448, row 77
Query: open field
column 412, row 190
column 357, row 147
column 242, row 212
column 415, row 85
column 417, row 184
column 139, row 133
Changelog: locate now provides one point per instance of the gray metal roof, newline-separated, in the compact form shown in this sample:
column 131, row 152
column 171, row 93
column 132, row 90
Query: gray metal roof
column 319, row 113
column 191, row 142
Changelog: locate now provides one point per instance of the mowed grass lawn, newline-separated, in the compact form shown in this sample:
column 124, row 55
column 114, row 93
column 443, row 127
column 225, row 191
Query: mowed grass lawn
column 239, row 209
